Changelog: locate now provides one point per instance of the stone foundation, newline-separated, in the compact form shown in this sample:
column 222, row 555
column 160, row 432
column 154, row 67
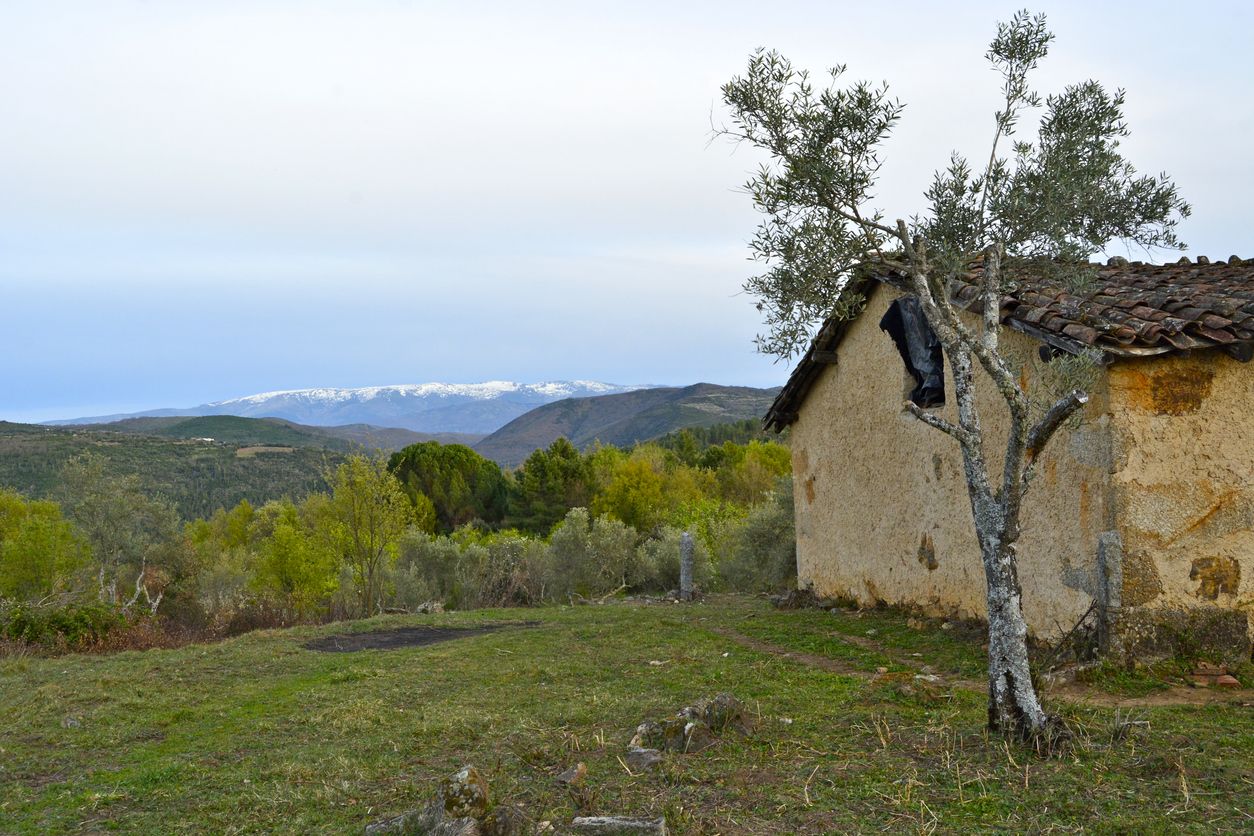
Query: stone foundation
column 1146, row 634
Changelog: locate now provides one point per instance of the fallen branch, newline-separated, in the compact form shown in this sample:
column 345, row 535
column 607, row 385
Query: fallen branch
column 607, row 596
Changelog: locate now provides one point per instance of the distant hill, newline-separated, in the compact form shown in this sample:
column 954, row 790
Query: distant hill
column 197, row 476
column 475, row 408
column 624, row 419
column 233, row 429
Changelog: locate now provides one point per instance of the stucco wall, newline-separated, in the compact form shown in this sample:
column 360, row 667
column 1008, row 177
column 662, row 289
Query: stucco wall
column 1184, row 481
column 882, row 508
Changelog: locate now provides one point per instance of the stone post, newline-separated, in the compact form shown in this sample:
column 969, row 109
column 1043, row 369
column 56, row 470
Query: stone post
column 1109, row 587
column 685, row 566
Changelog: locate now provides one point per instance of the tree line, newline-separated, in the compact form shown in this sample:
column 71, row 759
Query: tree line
column 433, row 523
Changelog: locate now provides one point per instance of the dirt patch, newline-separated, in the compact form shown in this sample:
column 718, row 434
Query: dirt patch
column 402, row 637
column 1074, row 692
column 1175, row 695
column 249, row 452
column 812, row 660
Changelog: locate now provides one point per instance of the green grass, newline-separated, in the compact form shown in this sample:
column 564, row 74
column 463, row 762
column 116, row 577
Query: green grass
column 257, row 734
column 1137, row 682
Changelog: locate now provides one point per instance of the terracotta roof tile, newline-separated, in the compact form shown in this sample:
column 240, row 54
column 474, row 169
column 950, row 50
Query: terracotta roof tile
column 1211, row 302
column 1128, row 309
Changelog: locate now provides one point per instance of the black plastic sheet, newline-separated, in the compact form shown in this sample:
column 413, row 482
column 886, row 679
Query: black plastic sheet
column 920, row 350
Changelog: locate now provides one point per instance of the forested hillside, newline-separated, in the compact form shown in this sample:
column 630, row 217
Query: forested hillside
column 697, row 439
column 233, row 429
column 197, row 476
column 624, row 419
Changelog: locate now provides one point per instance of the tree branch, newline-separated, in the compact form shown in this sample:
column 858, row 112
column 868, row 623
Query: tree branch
column 831, row 206
column 939, row 423
column 1044, row 430
column 990, row 291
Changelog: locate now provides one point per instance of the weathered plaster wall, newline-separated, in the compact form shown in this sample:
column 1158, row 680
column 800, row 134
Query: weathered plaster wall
column 882, row 508
column 1184, row 483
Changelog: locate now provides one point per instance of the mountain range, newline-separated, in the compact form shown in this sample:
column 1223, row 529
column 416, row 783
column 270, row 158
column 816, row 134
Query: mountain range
column 503, row 421
column 475, row 408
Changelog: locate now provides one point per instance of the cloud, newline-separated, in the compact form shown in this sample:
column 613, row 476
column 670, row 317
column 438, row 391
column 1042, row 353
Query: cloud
column 276, row 194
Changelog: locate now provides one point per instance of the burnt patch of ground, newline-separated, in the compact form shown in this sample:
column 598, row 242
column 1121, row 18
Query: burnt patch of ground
column 403, row 637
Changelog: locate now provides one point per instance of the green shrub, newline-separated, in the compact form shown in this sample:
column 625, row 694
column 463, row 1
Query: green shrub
column 425, row 570
column 594, row 556
column 505, row 570
column 40, row 552
column 73, row 624
column 760, row 553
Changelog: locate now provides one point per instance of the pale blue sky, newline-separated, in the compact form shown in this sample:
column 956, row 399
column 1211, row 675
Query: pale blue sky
column 200, row 200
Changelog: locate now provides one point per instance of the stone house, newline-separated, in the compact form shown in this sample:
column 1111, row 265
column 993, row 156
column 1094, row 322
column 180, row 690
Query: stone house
column 1140, row 518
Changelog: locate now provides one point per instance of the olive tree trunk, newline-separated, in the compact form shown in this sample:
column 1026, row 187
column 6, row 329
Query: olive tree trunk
column 1012, row 700
column 1013, row 706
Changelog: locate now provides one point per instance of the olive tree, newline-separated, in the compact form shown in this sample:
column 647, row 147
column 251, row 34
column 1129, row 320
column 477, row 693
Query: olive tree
column 1050, row 200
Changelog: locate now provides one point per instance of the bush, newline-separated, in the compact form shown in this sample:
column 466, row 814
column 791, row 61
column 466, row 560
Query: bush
column 660, row 554
column 74, row 624
column 594, row 556
column 263, row 612
column 426, row 570
column 295, row 566
column 503, row 571
column 40, row 553
column 760, row 553
column 222, row 586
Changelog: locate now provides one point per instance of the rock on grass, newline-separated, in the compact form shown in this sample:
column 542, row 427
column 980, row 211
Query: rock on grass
column 618, row 826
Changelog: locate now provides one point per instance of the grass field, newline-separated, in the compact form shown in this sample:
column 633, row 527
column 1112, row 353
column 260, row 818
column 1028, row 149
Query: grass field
column 259, row 734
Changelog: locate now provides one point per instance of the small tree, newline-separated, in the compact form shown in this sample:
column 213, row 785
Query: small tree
column 1051, row 202
column 130, row 534
column 368, row 514
column 40, row 553
column 294, row 563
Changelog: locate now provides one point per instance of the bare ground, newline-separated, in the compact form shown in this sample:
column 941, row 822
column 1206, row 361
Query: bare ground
column 402, row 637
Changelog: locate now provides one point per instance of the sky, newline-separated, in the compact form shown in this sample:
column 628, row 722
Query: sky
column 205, row 200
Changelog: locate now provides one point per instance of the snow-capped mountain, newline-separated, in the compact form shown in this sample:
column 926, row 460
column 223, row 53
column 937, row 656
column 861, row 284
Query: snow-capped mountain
column 424, row 407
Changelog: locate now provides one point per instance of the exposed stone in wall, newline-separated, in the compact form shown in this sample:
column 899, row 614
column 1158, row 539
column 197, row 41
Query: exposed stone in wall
column 1215, row 576
column 1166, row 511
column 1210, row 632
column 1090, row 444
column 1169, row 390
column 1141, row 583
